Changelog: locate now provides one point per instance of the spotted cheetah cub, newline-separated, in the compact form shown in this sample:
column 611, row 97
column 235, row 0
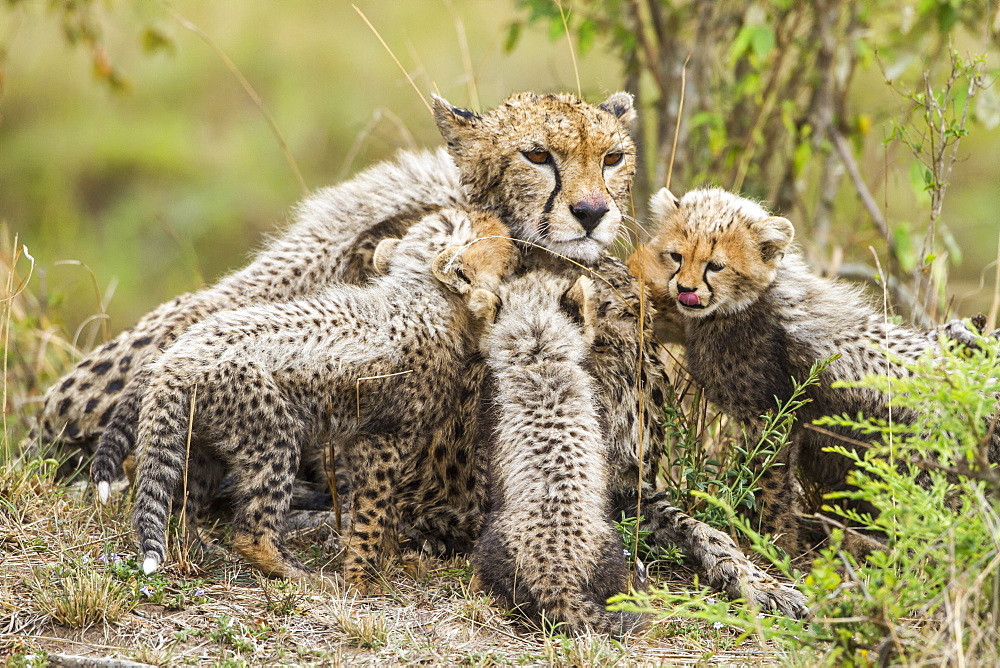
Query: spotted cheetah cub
column 755, row 317
column 549, row 546
column 372, row 366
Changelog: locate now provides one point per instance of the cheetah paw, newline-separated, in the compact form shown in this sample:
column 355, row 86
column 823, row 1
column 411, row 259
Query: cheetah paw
column 771, row 594
column 740, row 578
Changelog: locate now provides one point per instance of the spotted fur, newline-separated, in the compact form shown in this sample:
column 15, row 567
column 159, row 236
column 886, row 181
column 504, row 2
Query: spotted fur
column 549, row 546
column 371, row 367
column 569, row 136
column 331, row 240
column 755, row 318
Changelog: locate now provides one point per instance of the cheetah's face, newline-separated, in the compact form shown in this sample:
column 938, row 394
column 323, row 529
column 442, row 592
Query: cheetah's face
column 714, row 252
column 553, row 168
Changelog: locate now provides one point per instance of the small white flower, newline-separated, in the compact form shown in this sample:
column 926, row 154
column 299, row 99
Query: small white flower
column 718, row 625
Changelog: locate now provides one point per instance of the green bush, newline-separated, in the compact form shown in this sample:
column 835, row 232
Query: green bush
column 933, row 595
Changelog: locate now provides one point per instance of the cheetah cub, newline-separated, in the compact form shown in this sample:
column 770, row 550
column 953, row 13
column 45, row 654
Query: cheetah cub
column 549, row 546
column 755, row 317
column 372, row 366
column 561, row 469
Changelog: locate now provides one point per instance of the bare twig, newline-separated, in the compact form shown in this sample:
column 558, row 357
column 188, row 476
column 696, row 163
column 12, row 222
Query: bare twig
column 867, row 199
column 572, row 52
column 677, row 126
column 394, row 59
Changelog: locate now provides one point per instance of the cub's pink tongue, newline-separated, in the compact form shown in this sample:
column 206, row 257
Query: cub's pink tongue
column 688, row 299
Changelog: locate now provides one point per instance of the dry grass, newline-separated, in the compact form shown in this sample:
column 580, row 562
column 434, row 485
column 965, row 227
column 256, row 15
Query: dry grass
column 81, row 597
column 64, row 592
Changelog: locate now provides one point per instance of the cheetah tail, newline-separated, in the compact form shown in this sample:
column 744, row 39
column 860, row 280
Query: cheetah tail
column 118, row 438
column 161, row 454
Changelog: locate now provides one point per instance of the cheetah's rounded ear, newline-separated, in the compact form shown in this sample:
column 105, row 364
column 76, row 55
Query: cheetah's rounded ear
column 662, row 204
column 620, row 105
column 384, row 252
column 774, row 235
column 580, row 301
column 453, row 122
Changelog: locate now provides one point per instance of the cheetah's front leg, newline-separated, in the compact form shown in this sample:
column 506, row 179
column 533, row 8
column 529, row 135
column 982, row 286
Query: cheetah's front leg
column 725, row 565
column 777, row 500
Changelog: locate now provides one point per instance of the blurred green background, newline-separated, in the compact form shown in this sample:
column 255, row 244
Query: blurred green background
column 162, row 185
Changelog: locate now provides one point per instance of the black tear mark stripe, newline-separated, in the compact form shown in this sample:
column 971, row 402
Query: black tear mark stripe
column 547, row 209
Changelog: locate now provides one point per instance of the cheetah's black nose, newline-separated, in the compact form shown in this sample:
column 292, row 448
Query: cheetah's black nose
column 589, row 213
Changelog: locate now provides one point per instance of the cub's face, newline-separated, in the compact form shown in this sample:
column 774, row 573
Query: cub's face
column 713, row 252
column 555, row 169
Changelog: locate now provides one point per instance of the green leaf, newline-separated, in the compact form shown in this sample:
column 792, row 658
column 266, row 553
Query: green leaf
column 904, row 247
column 586, row 34
column 741, row 43
column 556, row 28
column 513, row 36
column 954, row 249
column 153, row 40
column 918, row 181
column 947, row 17
column 762, row 41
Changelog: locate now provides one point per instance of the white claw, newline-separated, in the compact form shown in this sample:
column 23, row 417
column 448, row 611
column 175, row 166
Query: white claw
column 149, row 565
column 104, row 491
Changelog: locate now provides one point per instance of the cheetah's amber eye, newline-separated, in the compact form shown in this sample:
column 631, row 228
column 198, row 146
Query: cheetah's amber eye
column 538, row 157
column 715, row 266
column 676, row 257
column 612, row 159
